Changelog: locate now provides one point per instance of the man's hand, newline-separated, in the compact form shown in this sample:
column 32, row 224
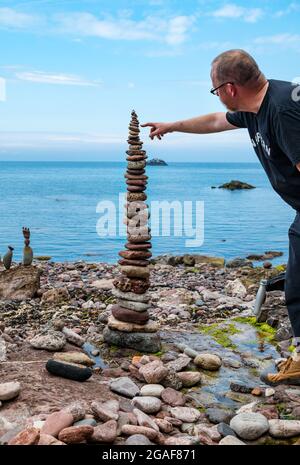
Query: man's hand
column 158, row 129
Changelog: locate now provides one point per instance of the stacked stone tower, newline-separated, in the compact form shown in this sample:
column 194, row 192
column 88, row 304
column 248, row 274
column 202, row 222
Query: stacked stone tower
column 129, row 324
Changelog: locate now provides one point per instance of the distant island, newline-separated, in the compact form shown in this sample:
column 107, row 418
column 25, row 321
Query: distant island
column 156, row 162
column 233, row 185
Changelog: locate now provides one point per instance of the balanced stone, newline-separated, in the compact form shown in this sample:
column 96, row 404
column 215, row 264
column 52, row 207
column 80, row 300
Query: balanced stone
column 135, row 306
column 68, row 370
column 136, row 165
column 138, row 238
column 150, row 327
column 137, row 286
column 131, row 296
column 135, row 172
column 136, row 182
column 143, row 342
column 74, row 357
column 135, row 271
column 135, row 255
column 125, row 262
column 129, row 316
column 136, row 188
column 133, row 196
column 137, row 177
column 136, row 158
column 144, row 246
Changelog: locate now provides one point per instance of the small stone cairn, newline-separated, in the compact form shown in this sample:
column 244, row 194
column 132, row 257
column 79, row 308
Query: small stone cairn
column 129, row 324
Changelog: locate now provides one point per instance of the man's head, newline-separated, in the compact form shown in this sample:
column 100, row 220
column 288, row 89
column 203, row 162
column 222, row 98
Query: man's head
column 241, row 76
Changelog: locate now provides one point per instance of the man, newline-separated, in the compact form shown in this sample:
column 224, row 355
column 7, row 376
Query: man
column 270, row 110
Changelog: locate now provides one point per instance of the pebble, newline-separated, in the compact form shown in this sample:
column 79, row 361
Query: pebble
column 164, row 425
column 284, row 428
column 56, row 422
column 52, row 341
column 75, row 434
column 27, row 437
column 105, row 433
column 189, row 378
column 154, row 390
column 124, row 386
column 154, row 372
column 177, row 365
column 172, row 397
column 76, row 409
column 231, row 441
column 144, row 420
column 74, row 357
column 218, row 415
column 68, row 370
column 47, row 440
column 86, row 422
column 269, row 392
column 103, row 412
column 73, row 337
column 130, row 430
column 249, row 426
column 147, row 404
column 185, row 414
column 225, row 430
column 138, row 440
column 9, row 390
column 208, row 361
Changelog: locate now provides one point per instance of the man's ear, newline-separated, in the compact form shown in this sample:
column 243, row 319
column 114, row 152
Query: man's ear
column 298, row 166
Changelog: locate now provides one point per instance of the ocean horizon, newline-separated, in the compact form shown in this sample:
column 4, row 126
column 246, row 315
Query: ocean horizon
column 58, row 201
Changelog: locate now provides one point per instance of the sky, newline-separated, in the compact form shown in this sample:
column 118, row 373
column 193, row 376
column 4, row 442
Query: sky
column 72, row 71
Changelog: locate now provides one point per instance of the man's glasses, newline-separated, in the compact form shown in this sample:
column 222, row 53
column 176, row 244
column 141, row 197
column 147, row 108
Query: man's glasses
column 214, row 91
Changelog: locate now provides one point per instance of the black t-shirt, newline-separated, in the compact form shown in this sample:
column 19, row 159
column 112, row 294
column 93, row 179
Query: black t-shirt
column 275, row 135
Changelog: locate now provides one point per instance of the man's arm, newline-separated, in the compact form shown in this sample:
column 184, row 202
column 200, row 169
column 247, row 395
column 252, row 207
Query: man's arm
column 206, row 124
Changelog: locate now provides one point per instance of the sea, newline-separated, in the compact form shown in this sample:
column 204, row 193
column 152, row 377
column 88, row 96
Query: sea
column 74, row 210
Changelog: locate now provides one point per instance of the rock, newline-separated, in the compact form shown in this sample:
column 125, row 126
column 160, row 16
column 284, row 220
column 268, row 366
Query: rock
column 27, row 437
column 149, row 327
column 130, row 430
column 103, row 284
column 10, row 434
column 56, row 422
column 56, row 296
column 68, row 370
column 238, row 263
column 185, row 414
column 189, row 378
column 211, row 432
column 131, row 296
column 145, row 420
column 73, row 337
column 105, row 433
column 236, row 288
column 190, row 352
column 231, row 441
column 249, row 426
column 208, row 361
column 52, row 341
column 129, row 316
column 180, row 441
column 164, row 425
column 9, row 390
column 124, row 386
column 218, row 415
column 76, row 409
column 103, row 412
column 86, row 422
column 143, row 342
column 172, row 397
column 225, row 430
column 177, row 365
column 247, row 408
column 236, row 386
column 47, row 440
column 269, row 392
column 138, row 440
column 76, row 434
column 154, row 390
column 135, row 306
column 147, row 404
column 153, row 372
column 233, row 185
column 172, row 381
column 256, row 392
column 284, row 428
column 140, row 272
column 74, row 357
column 156, row 162
column 2, row 350
column 19, row 283
column 136, row 286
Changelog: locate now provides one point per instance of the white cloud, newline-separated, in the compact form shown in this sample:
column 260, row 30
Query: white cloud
column 250, row 15
column 279, row 39
column 173, row 31
column 292, row 7
column 12, row 18
column 60, row 79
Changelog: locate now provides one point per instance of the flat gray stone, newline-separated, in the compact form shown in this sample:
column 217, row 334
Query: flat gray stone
column 249, row 426
column 125, row 387
column 143, row 342
column 138, row 440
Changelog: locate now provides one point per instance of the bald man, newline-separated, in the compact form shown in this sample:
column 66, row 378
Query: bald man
column 270, row 110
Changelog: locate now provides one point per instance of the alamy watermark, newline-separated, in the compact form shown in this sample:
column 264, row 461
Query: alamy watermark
column 164, row 218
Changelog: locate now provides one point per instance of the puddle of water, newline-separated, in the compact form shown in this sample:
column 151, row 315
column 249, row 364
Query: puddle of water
column 88, row 349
